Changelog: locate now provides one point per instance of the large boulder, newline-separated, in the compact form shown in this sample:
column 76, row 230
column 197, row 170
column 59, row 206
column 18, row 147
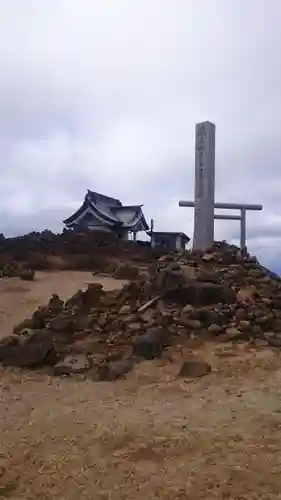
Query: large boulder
column 27, row 274
column 148, row 346
column 200, row 294
column 92, row 296
column 35, row 350
column 127, row 271
column 209, row 316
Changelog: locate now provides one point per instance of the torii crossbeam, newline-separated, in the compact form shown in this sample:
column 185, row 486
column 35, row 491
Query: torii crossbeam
column 204, row 199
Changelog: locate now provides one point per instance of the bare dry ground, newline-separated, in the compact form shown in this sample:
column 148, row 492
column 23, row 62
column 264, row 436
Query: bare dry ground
column 152, row 436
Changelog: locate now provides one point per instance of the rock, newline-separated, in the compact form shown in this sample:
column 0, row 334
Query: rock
column 37, row 350
column 26, row 334
column 240, row 315
column 268, row 335
column 166, row 258
column 80, row 323
column 168, row 279
column 55, row 304
column 208, row 257
column 101, row 321
column 189, row 324
column 92, row 296
column 27, row 323
column 148, row 346
column 193, row 324
column 266, row 321
column 127, row 271
column 125, row 309
column 189, row 272
column 250, row 316
column 174, row 266
column 257, row 331
column 36, row 322
column 261, row 343
column 149, row 316
column 113, row 370
column 38, row 319
column 72, row 365
column 243, row 326
column 27, row 274
column 252, row 259
column 206, row 276
column 74, row 300
column 276, row 302
column 277, row 326
column 134, row 327
column 274, row 341
column 194, row 368
column 63, row 323
column 7, row 343
column 215, row 329
column 257, row 314
column 232, row 333
column 129, row 319
column 209, row 316
column 277, row 313
column 246, row 293
column 187, row 310
column 200, row 294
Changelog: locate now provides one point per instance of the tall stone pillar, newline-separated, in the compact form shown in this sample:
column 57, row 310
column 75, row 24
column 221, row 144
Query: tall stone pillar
column 204, row 185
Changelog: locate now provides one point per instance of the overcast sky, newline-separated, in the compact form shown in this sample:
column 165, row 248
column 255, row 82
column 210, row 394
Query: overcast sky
column 105, row 94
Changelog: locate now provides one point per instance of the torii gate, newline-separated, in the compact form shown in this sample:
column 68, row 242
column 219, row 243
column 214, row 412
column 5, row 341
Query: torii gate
column 204, row 199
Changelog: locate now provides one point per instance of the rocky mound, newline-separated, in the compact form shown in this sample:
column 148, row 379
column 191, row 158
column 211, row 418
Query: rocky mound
column 222, row 295
column 87, row 250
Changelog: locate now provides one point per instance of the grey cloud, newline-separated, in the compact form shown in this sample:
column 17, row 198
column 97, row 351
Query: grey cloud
column 105, row 95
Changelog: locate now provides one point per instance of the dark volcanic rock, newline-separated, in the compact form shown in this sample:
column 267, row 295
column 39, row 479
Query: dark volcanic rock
column 92, row 296
column 38, row 319
column 194, row 368
column 27, row 274
column 72, row 365
column 208, row 277
column 35, row 351
column 200, row 294
column 127, row 271
column 148, row 346
column 274, row 341
column 55, row 304
column 209, row 316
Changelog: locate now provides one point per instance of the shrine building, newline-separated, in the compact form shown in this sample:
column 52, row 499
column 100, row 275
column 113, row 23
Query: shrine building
column 103, row 213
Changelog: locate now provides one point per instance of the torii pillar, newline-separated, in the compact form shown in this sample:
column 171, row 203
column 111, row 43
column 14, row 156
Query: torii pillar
column 204, row 196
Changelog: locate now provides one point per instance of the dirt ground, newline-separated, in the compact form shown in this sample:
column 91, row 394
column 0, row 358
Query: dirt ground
column 152, row 436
